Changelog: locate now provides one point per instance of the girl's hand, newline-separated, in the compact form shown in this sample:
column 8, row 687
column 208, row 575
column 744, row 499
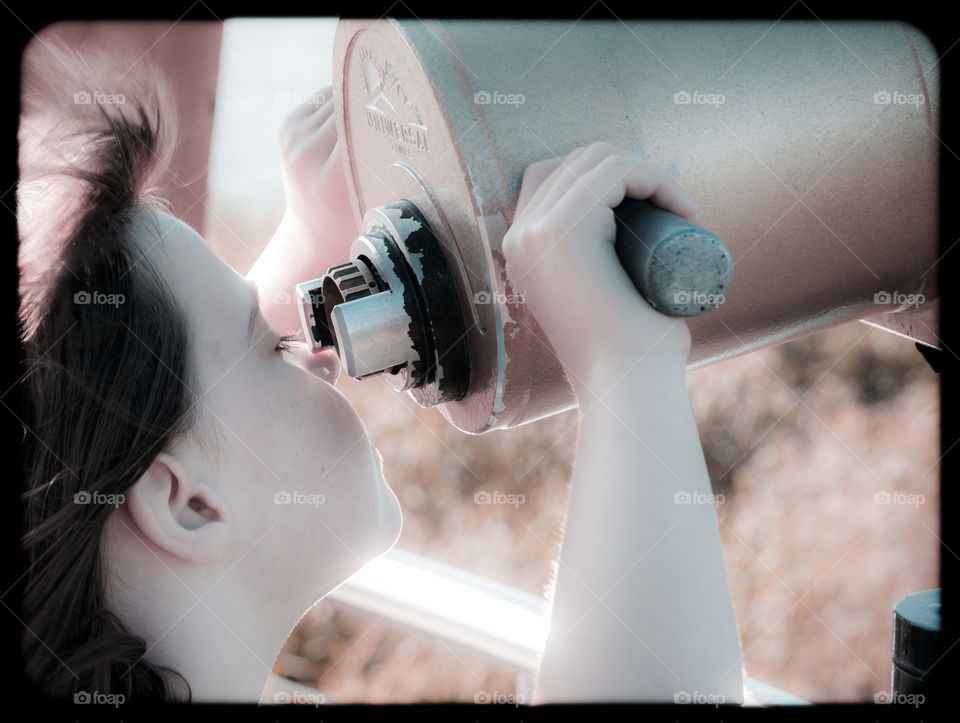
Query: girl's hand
column 318, row 227
column 318, row 203
column 560, row 256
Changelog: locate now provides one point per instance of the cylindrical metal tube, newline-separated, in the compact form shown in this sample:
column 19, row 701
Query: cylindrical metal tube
column 810, row 147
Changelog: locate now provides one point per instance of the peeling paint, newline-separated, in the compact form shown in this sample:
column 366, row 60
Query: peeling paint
column 444, row 354
column 416, row 261
column 404, row 224
column 406, row 300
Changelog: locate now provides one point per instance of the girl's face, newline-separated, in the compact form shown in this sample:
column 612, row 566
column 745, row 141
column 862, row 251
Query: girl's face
column 301, row 484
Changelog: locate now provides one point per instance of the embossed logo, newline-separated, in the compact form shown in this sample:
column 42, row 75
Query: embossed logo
column 388, row 109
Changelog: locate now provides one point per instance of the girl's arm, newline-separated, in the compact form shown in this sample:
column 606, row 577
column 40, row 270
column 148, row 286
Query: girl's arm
column 318, row 225
column 641, row 610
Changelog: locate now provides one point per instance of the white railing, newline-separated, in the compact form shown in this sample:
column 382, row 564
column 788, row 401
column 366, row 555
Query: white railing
column 497, row 623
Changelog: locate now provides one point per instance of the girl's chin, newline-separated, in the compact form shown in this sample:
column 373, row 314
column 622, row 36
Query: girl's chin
column 392, row 516
column 379, row 467
column 390, row 520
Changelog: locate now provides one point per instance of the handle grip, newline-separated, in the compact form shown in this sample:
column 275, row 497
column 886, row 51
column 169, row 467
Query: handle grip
column 680, row 268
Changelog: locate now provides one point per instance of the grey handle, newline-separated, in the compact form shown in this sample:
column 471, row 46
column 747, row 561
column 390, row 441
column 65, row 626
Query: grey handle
column 680, row 268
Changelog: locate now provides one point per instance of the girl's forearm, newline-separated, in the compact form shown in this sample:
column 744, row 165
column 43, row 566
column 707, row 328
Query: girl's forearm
column 299, row 252
column 279, row 269
column 642, row 610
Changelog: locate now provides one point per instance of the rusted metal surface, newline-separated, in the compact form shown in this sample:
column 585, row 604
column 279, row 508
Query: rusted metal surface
column 810, row 148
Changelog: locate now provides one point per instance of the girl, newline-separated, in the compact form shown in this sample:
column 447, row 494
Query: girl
column 167, row 419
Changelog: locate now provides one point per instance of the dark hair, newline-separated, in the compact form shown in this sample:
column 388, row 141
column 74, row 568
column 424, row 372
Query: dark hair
column 106, row 387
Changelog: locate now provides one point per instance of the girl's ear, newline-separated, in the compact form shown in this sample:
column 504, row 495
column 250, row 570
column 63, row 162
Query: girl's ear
column 177, row 513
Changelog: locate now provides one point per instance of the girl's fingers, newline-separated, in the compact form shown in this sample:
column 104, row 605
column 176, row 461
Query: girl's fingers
column 318, row 101
column 614, row 173
column 322, row 96
column 534, row 176
column 320, row 115
column 616, row 177
column 564, row 175
column 649, row 182
column 311, row 128
column 324, row 138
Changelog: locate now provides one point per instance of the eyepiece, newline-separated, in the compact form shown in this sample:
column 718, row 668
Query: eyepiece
column 375, row 311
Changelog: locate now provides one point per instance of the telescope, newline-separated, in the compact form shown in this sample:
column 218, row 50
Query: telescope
column 811, row 149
